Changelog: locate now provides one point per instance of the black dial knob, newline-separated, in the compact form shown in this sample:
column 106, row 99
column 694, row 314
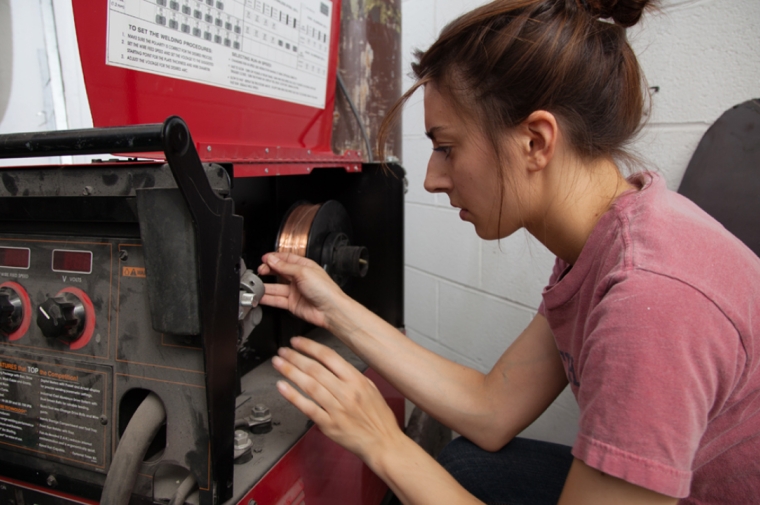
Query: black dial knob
column 61, row 317
column 11, row 310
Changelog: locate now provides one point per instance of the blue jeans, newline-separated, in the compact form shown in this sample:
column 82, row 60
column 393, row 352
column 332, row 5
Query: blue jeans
column 524, row 472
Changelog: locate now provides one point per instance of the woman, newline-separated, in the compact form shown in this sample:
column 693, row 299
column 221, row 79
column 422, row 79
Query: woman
column 648, row 314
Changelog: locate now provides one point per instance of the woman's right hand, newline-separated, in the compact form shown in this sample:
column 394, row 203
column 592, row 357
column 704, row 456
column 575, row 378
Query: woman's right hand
column 311, row 294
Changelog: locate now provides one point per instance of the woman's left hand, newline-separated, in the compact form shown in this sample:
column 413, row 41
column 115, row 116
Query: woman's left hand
column 345, row 404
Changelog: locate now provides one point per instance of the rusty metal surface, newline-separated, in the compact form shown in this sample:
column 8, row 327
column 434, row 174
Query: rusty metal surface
column 370, row 63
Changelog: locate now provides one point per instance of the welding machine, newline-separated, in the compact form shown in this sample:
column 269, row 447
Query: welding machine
column 134, row 357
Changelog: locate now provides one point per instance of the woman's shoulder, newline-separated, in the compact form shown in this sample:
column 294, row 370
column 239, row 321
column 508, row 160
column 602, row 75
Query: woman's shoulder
column 668, row 237
column 667, row 233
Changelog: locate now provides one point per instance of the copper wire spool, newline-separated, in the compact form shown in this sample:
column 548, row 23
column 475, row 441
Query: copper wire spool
column 323, row 233
column 294, row 235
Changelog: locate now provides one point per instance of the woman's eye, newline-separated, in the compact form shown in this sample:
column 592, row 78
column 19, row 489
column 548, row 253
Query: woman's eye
column 446, row 150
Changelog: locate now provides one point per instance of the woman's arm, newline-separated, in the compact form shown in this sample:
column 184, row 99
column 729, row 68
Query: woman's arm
column 588, row 486
column 489, row 409
column 350, row 410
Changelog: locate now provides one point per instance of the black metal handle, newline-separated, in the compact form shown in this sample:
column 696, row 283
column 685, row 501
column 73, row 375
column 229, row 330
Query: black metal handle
column 120, row 139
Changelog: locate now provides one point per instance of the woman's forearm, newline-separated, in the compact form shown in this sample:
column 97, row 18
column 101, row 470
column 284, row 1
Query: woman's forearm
column 488, row 409
column 415, row 477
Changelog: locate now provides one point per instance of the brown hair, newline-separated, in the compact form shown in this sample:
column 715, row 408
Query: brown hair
column 509, row 58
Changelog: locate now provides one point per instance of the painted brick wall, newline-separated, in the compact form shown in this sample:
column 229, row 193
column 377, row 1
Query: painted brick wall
column 468, row 299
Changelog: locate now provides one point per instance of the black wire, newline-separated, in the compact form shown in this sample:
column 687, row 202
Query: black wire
column 342, row 86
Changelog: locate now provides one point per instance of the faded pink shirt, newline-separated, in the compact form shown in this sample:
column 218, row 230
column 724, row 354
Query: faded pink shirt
column 658, row 325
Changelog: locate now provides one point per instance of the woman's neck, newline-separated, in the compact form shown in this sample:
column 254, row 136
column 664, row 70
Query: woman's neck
column 574, row 196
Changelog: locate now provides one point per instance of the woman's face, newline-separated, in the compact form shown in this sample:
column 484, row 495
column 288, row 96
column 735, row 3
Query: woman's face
column 465, row 167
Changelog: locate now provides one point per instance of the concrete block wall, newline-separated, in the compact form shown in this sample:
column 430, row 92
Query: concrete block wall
column 468, row 299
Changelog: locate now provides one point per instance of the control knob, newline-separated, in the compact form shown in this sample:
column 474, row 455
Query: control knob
column 11, row 310
column 62, row 317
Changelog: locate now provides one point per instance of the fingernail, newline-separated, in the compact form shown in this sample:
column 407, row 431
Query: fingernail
column 295, row 340
column 277, row 361
column 272, row 259
column 282, row 350
column 281, row 385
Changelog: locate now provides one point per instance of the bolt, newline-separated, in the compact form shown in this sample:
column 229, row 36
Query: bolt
column 308, row 151
column 260, row 411
column 52, row 481
column 242, row 440
column 208, row 148
column 266, row 150
column 266, row 170
column 252, row 502
column 103, row 420
column 308, row 169
column 88, row 190
column 123, row 255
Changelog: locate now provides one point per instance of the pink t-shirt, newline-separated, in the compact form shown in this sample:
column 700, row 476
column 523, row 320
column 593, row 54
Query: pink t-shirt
column 658, row 326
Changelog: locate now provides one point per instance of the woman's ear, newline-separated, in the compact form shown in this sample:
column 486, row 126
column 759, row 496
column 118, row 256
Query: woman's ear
column 540, row 132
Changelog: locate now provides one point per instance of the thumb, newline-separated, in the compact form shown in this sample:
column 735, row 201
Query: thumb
column 282, row 265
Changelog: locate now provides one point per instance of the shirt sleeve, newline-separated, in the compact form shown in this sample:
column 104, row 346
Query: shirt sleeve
column 658, row 361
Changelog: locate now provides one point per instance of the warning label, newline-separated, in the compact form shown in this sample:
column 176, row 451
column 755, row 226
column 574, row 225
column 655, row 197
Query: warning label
column 53, row 411
column 273, row 48
column 133, row 272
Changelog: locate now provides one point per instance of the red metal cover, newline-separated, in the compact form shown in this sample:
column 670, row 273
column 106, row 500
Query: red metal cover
column 318, row 471
column 174, row 43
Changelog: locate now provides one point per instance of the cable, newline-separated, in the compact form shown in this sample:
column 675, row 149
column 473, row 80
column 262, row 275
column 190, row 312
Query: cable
column 184, row 490
column 140, row 432
column 342, row 86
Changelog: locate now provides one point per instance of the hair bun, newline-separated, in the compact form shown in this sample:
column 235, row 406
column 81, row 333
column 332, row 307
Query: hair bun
column 623, row 12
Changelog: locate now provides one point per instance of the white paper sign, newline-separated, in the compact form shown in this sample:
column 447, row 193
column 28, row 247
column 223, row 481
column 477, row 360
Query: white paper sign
column 273, row 48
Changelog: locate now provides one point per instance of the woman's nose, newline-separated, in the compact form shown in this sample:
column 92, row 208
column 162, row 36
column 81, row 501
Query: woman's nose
column 436, row 178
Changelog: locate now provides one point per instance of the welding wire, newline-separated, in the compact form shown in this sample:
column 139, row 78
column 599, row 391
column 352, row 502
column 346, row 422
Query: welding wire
column 294, row 236
column 184, row 490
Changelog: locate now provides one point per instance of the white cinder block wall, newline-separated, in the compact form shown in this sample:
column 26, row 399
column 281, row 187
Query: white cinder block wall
column 468, row 299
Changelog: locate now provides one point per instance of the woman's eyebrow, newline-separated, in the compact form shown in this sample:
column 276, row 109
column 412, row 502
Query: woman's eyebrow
column 431, row 133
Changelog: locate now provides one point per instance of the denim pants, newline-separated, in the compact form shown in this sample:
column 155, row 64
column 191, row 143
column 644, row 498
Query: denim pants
column 524, row 472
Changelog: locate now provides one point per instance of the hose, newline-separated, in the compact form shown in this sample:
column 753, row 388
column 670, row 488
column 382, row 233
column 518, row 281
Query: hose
column 184, row 490
column 140, row 432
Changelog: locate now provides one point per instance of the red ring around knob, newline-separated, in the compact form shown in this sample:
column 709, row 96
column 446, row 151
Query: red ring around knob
column 89, row 314
column 26, row 320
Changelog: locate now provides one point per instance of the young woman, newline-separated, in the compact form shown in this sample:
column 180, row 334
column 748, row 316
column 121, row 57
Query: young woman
column 652, row 313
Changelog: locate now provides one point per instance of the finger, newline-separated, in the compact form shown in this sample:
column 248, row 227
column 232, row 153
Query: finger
column 277, row 289
column 292, row 258
column 308, row 407
column 308, row 384
column 277, row 302
column 287, row 265
column 264, row 269
column 314, row 369
column 328, row 357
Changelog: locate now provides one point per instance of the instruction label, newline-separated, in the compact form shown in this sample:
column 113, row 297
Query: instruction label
column 53, row 411
column 272, row 48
